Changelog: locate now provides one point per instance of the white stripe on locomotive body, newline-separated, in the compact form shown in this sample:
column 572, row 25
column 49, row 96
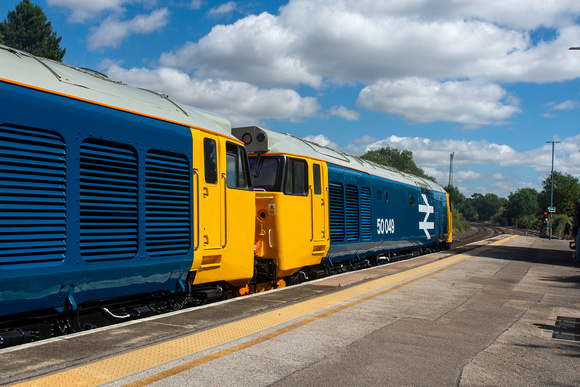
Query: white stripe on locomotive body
column 55, row 77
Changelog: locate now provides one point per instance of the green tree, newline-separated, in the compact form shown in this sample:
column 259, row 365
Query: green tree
column 401, row 160
column 486, row 206
column 566, row 191
column 463, row 205
column 27, row 29
column 522, row 208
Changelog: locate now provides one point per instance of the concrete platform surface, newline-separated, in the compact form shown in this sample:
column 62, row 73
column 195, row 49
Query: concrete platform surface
column 504, row 313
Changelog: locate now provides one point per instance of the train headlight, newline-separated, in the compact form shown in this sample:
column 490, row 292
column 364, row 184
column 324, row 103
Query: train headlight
column 247, row 138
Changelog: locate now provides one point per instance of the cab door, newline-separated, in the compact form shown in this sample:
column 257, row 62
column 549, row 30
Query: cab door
column 211, row 196
column 318, row 203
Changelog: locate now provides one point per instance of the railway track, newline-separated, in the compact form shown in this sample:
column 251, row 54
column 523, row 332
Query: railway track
column 478, row 231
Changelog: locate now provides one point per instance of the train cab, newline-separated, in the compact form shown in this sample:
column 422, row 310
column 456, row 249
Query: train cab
column 291, row 206
column 224, row 207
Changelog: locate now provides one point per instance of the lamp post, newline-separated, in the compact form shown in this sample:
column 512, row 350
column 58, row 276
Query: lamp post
column 578, row 236
column 552, row 189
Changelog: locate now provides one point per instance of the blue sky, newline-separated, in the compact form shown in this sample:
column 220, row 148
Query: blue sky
column 491, row 80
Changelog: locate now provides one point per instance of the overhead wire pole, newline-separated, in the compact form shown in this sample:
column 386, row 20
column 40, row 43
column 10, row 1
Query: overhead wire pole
column 552, row 189
column 451, row 168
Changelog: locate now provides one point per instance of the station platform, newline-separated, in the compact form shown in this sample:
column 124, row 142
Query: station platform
column 506, row 311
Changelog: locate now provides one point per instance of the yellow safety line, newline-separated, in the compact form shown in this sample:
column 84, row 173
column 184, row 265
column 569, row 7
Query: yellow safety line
column 133, row 362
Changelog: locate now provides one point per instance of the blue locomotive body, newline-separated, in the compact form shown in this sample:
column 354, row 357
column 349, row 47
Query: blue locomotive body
column 101, row 198
column 78, row 181
column 370, row 215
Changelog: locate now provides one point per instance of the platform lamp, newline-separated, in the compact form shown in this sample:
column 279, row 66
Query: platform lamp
column 552, row 189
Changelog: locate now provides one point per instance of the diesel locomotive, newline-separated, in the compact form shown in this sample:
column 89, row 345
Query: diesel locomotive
column 108, row 193
column 320, row 211
column 118, row 203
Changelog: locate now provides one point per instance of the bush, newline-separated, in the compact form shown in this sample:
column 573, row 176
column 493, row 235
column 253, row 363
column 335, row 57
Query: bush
column 529, row 222
column 459, row 222
column 499, row 217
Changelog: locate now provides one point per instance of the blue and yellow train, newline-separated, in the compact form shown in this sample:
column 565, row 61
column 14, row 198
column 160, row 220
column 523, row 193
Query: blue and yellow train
column 320, row 211
column 117, row 202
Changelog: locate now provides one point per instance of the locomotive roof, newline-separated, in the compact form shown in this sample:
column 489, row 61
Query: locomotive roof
column 55, row 77
column 273, row 142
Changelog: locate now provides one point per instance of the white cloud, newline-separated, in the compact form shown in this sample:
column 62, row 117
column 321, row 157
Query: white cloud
column 365, row 42
column 195, row 4
column 223, row 9
column 451, row 55
column 112, row 32
column 343, row 112
column 467, row 175
column 433, row 153
column 81, row 10
column 364, row 139
column 242, row 103
column 424, row 100
column 253, row 50
column 531, row 13
column 566, row 105
column 348, row 41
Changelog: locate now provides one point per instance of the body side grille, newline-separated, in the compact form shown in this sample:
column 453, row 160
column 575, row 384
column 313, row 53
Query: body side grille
column 352, row 213
column 336, row 211
column 365, row 214
column 108, row 201
column 32, row 196
column 167, row 203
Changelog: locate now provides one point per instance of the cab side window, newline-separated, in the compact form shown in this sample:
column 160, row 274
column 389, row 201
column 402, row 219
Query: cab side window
column 296, row 179
column 210, row 160
column 237, row 175
column 316, row 176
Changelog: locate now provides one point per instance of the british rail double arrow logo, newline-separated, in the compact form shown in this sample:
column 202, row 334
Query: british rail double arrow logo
column 428, row 210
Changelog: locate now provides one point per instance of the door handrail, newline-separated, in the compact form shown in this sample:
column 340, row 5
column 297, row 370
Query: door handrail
column 311, row 213
column 225, row 210
column 196, row 242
